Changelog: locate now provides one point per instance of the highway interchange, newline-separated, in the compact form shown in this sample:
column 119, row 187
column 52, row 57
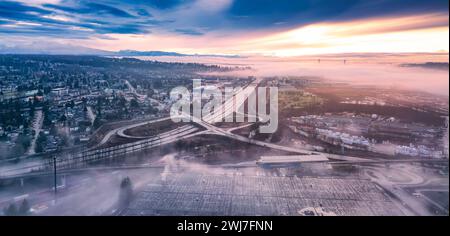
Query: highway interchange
column 194, row 128
column 190, row 130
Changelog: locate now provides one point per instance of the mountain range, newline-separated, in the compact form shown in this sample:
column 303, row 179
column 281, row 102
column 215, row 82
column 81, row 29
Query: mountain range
column 62, row 49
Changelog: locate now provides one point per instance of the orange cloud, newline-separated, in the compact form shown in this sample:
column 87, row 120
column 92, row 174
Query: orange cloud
column 420, row 33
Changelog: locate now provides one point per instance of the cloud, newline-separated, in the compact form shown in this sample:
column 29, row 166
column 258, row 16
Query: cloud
column 166, row 4
column 188, row 32
column 143, row 12
column 91, row 8
column 268, row 13
column 15, row 9
column 39, row 2
column 182, row 16
column 207, row 19
column 2, row 22
column 78, row 19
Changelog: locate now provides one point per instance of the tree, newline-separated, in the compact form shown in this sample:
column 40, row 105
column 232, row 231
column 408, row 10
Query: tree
column 24, row 208
column 63, row 118
column 47, row 90
column 40, row 142
column 24, row 141
column 152, row 110
column 122, row 102
column 32, row 109
column 150, row 92
column 97, row 122
column 47, row 121
column 180, row 145
column 134, row 103
column 99, row 105
column 126, row 192
column 11, row 210
column 70, row 104
column 157, row 84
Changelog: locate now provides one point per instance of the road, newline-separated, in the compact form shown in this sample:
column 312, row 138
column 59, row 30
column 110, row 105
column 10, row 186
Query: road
column 395, row 181
column 90, row 114
column 37, row 127
column 207, row 122
column 229, row 134
column 44, row 198
column 445, row 137
column 121, row 131
column 228, row 106
column 436, row 204
column 87, row 187
column 141, row 97
column 188, row 130
column 113, row 132
column 233, row 165
column 86, row 193
column 228, row 109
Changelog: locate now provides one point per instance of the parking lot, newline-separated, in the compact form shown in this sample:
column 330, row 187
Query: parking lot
column 237, row 194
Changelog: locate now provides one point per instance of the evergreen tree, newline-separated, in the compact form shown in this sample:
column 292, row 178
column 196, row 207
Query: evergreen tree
column 11, row 210
column 126, row 192
column 24, row 208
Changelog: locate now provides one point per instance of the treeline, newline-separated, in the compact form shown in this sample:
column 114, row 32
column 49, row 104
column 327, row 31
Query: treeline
column 107, row 62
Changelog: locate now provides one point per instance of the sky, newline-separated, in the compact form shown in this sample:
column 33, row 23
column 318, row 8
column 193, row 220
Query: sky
column 282, row 28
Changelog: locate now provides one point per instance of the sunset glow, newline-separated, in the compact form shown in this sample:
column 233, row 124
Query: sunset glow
column 213, row 28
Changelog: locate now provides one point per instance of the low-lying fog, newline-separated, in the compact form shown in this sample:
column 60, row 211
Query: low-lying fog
column 380, row 70
column 99, row 194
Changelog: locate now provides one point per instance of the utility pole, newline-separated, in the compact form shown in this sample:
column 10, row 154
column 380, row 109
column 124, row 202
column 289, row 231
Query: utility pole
column 54, row 176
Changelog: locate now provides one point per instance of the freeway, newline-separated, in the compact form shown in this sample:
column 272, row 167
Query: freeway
column 113, row 132
column 232, row 105
column 162, row 139
column 187, row 131
column 133, row 90
column 236, row 101
column 121, row 131
column 92, row 188
column 446, row 136
column 228, row 108
column 143, row 97
column 247, row 164
column 228, row 134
